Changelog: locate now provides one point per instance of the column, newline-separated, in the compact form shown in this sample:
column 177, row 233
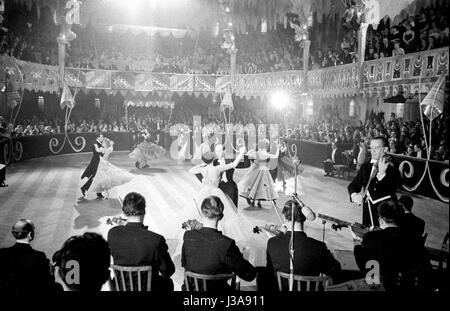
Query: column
column 61, row 60
column 362, row 32
column 306, row 45
column 233, row 54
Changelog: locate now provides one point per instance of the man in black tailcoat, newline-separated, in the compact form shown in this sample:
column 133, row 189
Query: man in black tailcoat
column 227, row 184
column 91, row 170
column 383, row 182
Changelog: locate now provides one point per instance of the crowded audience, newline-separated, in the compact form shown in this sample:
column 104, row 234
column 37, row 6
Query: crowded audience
column 426, row 30
column 405, row 138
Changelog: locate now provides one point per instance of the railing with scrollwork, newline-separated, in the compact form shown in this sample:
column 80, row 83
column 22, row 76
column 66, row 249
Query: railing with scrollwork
column 410, row 73
column 34, row 146
column 339, row 81
column 426, row 178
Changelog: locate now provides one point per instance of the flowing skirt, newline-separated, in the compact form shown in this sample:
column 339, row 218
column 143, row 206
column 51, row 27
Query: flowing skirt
column 258, row 184
column 232, row 224
column 146, row 151
column 109, row 176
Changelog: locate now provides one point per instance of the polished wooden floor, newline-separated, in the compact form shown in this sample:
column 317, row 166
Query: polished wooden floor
column 46, row 190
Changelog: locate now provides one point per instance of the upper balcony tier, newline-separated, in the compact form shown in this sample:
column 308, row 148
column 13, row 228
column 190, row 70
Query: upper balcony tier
column 382, row 77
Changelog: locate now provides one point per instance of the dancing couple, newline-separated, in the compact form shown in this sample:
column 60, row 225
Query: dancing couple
column 211, row 171
column 146, row 151
column 101, row 175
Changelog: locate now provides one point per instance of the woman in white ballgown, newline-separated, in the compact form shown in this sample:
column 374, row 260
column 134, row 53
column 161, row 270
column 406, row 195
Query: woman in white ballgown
column 257, row 184
column 146, row 151
column 233, row 224
column 108, row 175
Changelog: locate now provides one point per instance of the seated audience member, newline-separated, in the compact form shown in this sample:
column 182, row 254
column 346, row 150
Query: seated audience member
column 398, row 51
column 82, row 264
column 311, row 257
column 396, row 252
column 336, row 158
column 21, row 267
column 419, row 152
column 409, row 222
column 208, row 251
column 135, row 245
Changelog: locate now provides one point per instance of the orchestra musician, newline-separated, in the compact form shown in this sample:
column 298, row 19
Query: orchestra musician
column 375, row 182
column 311, row 257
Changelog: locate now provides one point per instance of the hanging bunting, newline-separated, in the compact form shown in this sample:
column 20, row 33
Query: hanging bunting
column 67, row 98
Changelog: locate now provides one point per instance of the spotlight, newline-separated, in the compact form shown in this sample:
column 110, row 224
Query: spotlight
column 230, row 24
column 279, row 100
column 227, row 9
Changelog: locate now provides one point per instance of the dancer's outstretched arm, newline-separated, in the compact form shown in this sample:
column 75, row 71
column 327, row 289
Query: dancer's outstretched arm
column 224, row 167
column 276, row 155
column 198, row 169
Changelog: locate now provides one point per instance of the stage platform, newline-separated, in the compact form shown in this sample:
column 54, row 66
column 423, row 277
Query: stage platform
column 46, row 190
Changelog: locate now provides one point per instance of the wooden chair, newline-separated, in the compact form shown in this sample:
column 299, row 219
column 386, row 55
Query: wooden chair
column 131, row 278
column 424, row 238
column 313, row 283
column 439, row 257
column 200, row 280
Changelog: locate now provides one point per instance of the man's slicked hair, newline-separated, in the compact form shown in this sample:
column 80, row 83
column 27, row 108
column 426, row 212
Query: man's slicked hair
column 134, row 204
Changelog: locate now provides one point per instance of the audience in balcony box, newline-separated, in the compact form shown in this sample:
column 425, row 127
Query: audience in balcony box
column 397, row 51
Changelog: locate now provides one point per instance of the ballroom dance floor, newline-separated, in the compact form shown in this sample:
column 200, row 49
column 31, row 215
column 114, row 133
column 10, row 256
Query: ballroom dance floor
column 46, row 190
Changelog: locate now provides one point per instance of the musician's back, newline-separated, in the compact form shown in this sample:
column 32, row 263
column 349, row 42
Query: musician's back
column 311, row 257
column 394, row 250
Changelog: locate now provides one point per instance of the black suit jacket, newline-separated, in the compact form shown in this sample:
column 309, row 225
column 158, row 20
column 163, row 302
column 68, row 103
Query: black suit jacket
column 208, row 251
column 311, row 257
column 339, row 158
column 24, row 269
column 378, row 188
column 395, row 251
column 412, row 225
column 134, row 245
column 91, row 170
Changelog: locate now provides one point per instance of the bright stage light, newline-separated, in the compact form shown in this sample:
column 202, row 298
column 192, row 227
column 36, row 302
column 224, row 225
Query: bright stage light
column 279, row 100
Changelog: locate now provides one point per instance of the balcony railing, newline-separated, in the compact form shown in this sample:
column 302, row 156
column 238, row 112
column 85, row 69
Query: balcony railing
column 382, row 77
column 334, row 81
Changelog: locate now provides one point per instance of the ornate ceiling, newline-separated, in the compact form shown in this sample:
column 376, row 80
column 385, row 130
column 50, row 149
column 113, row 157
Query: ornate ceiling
column 203, row 14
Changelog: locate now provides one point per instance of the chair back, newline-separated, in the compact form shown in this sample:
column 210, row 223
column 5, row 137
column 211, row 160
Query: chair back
column 424, row 238
column 198, row 282
column 131, row 278
column 304, row 283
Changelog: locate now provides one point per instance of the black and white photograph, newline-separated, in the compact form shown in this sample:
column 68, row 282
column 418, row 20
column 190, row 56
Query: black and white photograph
column 241, row 148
